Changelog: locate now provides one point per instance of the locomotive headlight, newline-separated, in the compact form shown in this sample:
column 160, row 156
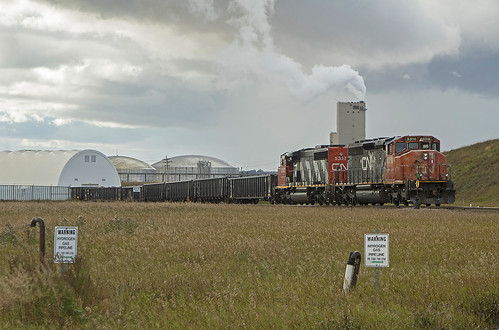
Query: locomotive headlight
column 425, row 156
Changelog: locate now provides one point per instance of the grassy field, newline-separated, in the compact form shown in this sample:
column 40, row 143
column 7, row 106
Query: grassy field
column 144, row 265
column 475, row 171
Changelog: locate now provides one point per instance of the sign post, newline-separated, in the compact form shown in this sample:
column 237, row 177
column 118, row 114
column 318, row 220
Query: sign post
column 65, row 245
column 376, row 253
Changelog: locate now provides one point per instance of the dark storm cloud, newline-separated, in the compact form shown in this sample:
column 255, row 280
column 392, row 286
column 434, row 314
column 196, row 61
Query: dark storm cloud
column 473, row 72
column 363, row 33
column 476, row 71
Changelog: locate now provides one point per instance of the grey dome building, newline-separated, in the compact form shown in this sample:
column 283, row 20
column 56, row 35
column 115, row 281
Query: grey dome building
column 189, row 167
column 132, row 169
column 179, row 168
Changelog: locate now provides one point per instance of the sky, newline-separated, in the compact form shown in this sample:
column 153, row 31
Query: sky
column 242, row 80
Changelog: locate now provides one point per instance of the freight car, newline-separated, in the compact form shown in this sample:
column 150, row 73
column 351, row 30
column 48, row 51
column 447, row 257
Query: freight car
column 213, row 190
column 101, row 193
column 403, row 169
column 250, row 189
column 154, row 192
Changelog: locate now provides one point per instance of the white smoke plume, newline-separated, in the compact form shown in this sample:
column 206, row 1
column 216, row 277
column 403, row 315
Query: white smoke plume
column 253, row 55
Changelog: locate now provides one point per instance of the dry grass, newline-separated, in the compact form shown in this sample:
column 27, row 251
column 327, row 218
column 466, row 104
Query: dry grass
column 225, row 266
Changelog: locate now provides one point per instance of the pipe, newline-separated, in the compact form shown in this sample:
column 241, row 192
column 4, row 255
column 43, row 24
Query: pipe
column 352, row 270
column 42, row 236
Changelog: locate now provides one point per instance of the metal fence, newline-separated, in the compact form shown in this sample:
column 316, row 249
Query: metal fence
column 34, row 193
column 176, row 174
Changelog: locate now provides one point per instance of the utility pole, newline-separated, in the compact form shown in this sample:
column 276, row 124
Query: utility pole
column 166, row 168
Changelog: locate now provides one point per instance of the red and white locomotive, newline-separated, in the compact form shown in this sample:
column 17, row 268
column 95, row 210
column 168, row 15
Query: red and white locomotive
column 403, row 169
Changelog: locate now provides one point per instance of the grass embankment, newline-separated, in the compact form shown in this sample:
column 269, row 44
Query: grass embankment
column 161, row 265
column 475, row 170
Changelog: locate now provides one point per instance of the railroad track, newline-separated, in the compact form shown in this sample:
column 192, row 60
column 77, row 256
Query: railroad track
column 391, row 206
column 469, row 208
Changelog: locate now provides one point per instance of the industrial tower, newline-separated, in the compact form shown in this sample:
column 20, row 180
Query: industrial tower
column 350, row 123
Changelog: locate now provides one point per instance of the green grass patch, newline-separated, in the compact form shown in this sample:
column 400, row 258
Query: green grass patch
column 475, row 171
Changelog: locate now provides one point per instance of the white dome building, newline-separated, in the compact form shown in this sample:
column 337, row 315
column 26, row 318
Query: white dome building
column 76, row 168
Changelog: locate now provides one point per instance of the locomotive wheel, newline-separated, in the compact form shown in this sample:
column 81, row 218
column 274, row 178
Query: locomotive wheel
column 396, row 202
column 437, row 205
column 406, row 203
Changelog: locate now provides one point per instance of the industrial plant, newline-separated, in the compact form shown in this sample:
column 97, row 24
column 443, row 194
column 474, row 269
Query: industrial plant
column 179, row 168
column 32, row 174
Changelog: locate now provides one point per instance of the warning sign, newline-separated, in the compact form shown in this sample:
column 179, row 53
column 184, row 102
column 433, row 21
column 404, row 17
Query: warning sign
column 376, row 250
column 65, row 244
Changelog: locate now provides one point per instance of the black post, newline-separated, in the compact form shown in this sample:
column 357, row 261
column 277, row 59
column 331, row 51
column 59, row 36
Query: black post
column 352, row 270
column 42, row 236
column 354, row 260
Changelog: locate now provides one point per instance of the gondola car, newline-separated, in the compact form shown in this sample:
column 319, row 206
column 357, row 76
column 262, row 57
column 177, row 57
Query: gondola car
column 251, row 189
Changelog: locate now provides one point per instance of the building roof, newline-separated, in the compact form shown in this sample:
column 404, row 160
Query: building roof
column 129, row 163
column 191, row 161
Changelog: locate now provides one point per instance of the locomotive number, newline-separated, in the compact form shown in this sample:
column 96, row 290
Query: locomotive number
column 340, row 158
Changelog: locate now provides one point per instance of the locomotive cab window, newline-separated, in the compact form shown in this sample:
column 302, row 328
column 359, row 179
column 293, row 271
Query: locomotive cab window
column 425, row 145
column 390, row 149
column 413, row 145
column 400, row 146
column 435, row 146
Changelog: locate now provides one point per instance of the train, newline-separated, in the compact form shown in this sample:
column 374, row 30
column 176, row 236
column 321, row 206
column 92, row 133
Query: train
column 241, row 190
column 404, row 170
column 400, row 170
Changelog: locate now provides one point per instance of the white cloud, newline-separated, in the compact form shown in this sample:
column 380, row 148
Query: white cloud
column 476, row 20
column 61, row 121
column 109, row 124
column 56, row 144
column 203, row 8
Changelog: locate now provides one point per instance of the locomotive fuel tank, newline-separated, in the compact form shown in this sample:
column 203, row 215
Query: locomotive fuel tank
column 369, row 194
